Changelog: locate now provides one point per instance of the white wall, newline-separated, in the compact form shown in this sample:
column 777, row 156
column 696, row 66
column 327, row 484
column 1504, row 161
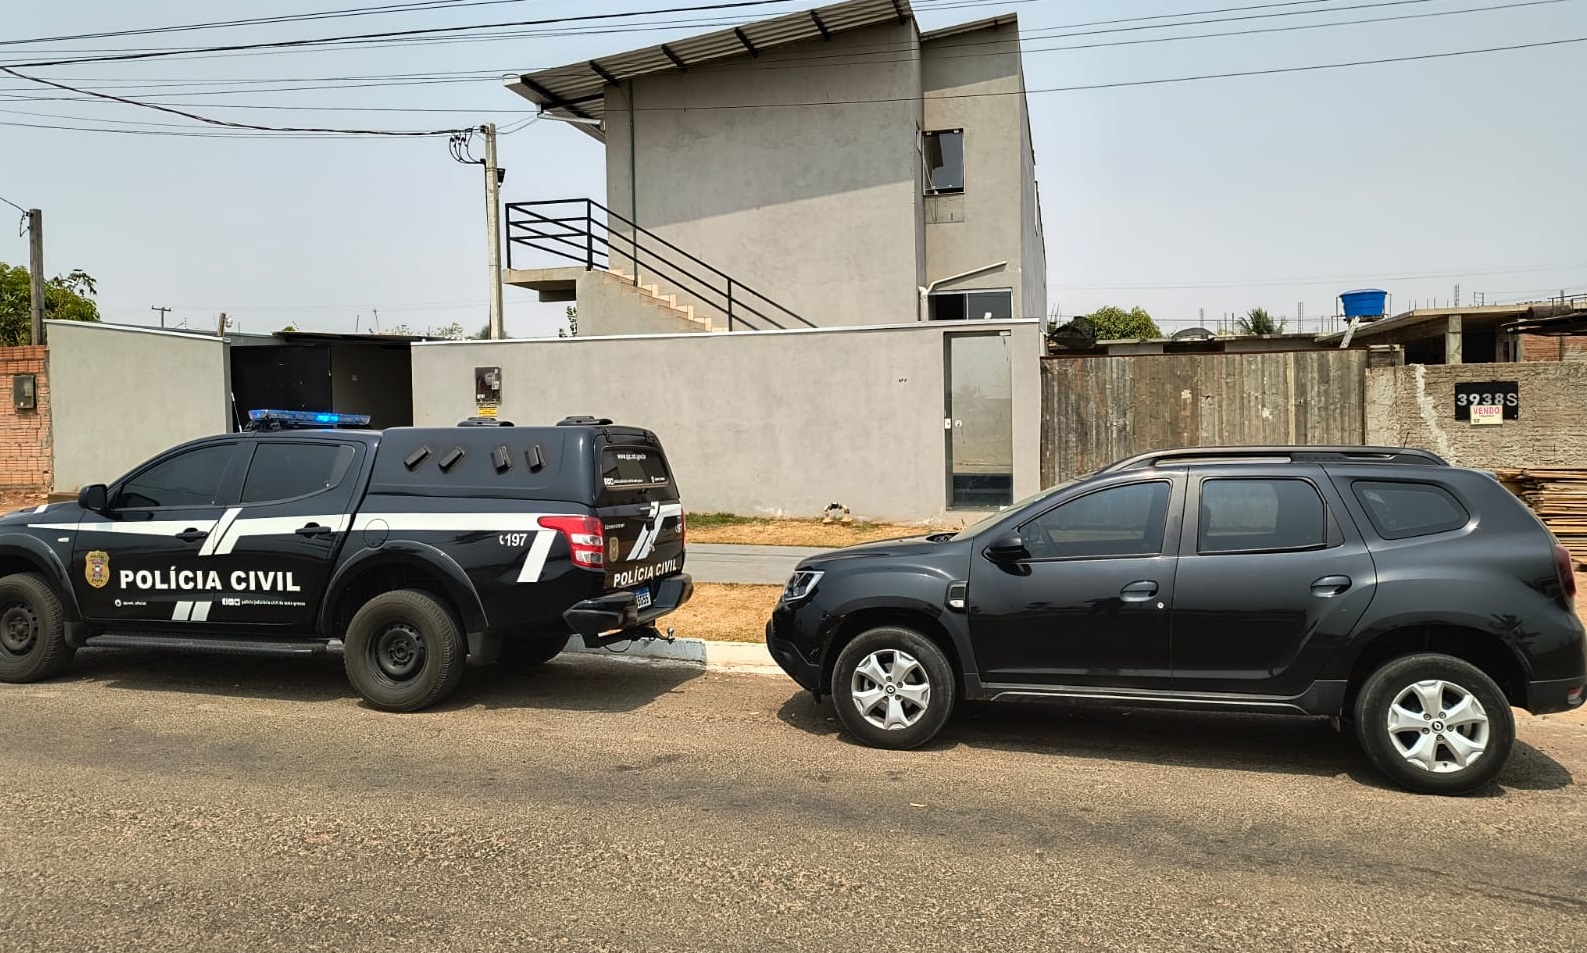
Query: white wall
column 122, row 394
column 758, row 422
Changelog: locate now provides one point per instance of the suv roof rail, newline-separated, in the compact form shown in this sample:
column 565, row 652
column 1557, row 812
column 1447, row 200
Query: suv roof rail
column 1292, row 454
column 483, row 422
column 584, row 420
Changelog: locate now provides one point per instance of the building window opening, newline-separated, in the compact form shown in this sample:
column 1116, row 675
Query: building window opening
column 972, row 305
column 944, row 162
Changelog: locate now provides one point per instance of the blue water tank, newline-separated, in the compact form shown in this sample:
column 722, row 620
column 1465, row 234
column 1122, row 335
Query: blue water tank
column 1365, row 303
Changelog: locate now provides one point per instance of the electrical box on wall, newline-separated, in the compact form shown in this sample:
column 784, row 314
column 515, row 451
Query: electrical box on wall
column 24, row 391
column 487, row 390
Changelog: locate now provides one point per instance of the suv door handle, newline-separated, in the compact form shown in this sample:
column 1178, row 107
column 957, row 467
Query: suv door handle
column 1139, row 591
column 191, row 535
column 313, row 529
column 1330, row 586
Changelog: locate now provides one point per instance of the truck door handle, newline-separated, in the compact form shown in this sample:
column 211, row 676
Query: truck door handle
column 191, row 535
column 1139, row 591
column 313, row 529
column 1330, row 586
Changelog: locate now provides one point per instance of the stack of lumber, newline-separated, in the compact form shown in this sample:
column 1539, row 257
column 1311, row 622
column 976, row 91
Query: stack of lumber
column 1559, row 498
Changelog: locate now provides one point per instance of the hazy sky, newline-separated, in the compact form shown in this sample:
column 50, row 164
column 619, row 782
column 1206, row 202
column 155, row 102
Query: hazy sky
column 1222, row 194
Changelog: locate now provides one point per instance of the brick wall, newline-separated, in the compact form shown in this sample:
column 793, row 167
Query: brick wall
column 25, row 446
column 1539, row 347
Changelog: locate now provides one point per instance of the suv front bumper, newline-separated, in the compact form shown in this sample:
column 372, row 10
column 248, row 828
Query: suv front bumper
column 616, row 616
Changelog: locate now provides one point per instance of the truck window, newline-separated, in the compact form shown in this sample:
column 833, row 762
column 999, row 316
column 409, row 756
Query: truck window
column 285, row 471
column 635, row 475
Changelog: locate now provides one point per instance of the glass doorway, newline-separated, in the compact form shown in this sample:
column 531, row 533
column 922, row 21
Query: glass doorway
column 979, row 425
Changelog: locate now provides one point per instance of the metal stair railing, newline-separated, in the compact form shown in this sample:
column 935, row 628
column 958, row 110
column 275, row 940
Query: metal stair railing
column 569, row 229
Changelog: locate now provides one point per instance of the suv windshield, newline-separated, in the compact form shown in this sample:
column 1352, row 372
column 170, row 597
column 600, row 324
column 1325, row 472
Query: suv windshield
column 980, row 526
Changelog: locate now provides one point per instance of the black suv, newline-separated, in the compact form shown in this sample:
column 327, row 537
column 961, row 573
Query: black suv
column 1380, row 586
column 408, row 550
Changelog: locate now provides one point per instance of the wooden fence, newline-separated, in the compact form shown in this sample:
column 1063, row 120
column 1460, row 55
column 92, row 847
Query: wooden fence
column 1098, row 409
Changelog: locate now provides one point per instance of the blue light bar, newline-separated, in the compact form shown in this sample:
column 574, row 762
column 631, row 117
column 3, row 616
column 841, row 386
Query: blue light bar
column 309, row 417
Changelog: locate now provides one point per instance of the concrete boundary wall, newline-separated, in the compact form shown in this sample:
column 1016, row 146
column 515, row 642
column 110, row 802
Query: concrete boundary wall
column 769, row 422
column 121, row 395
column 1414, row 405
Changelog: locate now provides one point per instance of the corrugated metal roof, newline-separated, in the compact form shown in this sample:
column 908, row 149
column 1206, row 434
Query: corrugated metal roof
column 578, row 91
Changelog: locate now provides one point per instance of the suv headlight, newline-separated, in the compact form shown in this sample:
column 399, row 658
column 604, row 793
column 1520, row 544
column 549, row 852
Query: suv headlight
column 800, row 585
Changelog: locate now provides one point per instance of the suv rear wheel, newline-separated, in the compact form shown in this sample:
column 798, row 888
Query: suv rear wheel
column 404, row 651
column 1434, row 724
column 893, row 688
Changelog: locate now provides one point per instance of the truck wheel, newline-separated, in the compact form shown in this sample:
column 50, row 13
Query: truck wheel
column 893, row 688
column 32, row 630
column 523, row 655
column 404, row 651
column 1434, row 724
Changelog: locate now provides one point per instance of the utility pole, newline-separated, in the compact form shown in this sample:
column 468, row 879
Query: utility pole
column 493, row 177
column 36, row 272
column 162, row 314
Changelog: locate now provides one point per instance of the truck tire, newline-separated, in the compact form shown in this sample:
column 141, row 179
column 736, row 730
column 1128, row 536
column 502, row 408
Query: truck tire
column 32, row 630
column 404, row 651
column 893, row 688
column 523, row 655
column 1435, row 724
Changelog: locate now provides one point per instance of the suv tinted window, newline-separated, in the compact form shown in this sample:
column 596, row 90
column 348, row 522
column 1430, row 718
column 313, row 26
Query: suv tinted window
column 635, row 474
column 284, row 471
column 1403, row 510
column 191, row 478
column 1119, row 521
column 1239, row 516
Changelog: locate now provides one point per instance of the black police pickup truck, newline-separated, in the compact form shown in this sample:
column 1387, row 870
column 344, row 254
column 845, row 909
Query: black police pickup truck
column 409, row 550
column 1379, row 586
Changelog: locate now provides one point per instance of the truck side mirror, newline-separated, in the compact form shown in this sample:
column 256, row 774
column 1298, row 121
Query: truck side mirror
column 95, row 498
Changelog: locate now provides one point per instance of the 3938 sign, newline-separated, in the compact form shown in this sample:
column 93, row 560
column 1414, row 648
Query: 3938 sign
column 1506, row 394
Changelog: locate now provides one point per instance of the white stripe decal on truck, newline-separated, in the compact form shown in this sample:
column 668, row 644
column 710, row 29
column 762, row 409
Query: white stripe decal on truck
column 535, row 562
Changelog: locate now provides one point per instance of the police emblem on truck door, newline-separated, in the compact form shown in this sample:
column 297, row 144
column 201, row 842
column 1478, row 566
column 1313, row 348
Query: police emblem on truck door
column 96, row 568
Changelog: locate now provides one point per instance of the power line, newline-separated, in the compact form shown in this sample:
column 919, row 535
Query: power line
column 13, row 205
column 226, row 122
column 394, row 34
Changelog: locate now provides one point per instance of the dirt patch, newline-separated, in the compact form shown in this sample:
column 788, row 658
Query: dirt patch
column 725, row 613
column 723, row 528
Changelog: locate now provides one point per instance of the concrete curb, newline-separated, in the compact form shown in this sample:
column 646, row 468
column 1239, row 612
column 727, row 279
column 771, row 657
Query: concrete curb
column 744, row 658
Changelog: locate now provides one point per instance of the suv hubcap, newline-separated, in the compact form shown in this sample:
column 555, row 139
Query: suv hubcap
column 19, row 628
column 890, row 689
column 1438, row 726
column 399, row 652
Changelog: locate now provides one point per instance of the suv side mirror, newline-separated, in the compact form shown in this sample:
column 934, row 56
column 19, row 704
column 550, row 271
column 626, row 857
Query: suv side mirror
column 95, row 498
column 1007, row 547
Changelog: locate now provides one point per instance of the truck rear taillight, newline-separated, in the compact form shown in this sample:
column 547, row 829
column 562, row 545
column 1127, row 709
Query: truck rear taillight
column 1567, row 572
column 683, row 528
column 585, row 535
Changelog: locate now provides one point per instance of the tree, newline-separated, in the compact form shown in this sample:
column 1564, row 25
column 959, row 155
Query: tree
column 1258, row 321
column 1113, row 324
column 483, row 334
column 67, row 297
column 451, row 332
column 572, row 330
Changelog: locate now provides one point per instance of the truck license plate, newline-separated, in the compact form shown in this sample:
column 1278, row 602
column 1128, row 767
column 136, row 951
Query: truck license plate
column 642, row 596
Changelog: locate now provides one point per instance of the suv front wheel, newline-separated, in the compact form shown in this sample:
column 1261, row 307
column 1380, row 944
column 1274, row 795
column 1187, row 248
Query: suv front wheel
column 893, row 688
column 1434, row 724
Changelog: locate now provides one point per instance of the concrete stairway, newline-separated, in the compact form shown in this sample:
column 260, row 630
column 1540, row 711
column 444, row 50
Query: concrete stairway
column 609, row 302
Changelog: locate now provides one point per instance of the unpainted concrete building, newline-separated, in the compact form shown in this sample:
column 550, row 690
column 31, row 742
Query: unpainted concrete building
column 835, row 167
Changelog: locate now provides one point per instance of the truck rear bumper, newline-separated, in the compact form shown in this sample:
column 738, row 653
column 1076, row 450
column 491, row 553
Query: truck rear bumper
column 616, row 616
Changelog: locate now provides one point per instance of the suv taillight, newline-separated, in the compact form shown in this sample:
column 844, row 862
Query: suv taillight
column 1567, row 572
column 585, row 535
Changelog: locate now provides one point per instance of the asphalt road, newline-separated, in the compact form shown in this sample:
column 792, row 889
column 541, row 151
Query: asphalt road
column 173, row 803
column 764, row 565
